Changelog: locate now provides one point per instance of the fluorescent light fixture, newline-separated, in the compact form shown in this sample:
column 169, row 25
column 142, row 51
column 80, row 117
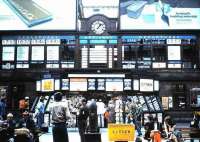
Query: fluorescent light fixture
column 97, row 75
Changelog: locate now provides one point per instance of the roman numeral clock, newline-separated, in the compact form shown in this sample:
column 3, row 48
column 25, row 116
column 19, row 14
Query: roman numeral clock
column 98, row 25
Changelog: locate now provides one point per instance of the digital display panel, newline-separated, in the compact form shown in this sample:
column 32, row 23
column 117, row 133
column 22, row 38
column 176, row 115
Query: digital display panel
column 162, row 14
column 127, row 84
column 57, row 84
column 174, row 53
column 42, row 15
column 156, row 85
column 22, row 53
column 146, row 85
column 114, row 85
column 136, row 85
column 101, row 84
column 37, row 53
column 47, row 85
column 91, row 84
column 65, row 84
column 78, row 84
column 52, row 53
column 38, row 85
column 8, row 53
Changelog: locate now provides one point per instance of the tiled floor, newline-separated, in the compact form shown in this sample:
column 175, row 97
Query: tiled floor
column 74, row 136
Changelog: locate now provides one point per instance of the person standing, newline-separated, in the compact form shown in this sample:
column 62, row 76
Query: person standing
column 40, row 113
column 2, row 109
column 60, row 114
column 82, row 119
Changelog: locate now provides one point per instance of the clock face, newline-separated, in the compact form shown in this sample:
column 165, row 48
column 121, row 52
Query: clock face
column 98, row 27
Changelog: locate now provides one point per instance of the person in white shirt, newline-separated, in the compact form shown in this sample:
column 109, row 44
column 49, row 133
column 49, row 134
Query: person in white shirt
column 60, row 115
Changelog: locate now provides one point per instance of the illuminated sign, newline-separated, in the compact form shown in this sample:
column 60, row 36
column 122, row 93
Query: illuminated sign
column 121, row 132
column 47, row 85
column 146, row 85
column 8, row 53
column 163, row 14
column 42, row 15
column 78, row 84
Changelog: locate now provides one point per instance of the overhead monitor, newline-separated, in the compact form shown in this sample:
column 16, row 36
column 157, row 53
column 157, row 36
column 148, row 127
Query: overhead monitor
column 78, row 84
column 42, row 15
column 174, row 52
column 47, row 85
column 8, row 53
column 57, row 84
column 101, row 84
column 136, row 85
column 37, row 53
column 159, row 15
column 38, row 85
column 22, row 53
column 127, row 84
column 114, row 85
column 91, row 84
column 146, row 85
column 65, row 84
column 156, row 85
column 52, row 53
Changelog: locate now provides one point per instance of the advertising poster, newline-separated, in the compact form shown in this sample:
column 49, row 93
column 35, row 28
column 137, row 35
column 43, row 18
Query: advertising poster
column 159, row 14
column 37, row 15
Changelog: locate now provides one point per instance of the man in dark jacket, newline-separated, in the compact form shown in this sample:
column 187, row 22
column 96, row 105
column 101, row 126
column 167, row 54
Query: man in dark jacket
column 82, row 119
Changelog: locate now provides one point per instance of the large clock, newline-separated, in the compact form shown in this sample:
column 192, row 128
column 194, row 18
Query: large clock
column 98, row 27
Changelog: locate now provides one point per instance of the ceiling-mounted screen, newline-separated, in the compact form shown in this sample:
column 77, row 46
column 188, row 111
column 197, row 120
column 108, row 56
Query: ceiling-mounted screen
column 101, row 84
column 78, row 84
column 127, row 84
column 91, row 84
column 156, row 85
column 8, row 53
column 37, row 15
column 65, row 84
column 146, row 85
column 136, row 85
column 52, row 53
column 37, row 53
column 38, row 85
column 114, row 85
column 174, row 52
column 22, row 53
column 57, row 84
column 159, row 14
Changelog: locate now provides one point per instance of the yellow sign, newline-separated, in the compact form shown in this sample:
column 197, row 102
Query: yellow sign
column 121, row 132
column 47, row 85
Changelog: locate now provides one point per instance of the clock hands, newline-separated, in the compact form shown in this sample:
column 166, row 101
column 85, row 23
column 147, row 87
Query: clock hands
column 99, row 26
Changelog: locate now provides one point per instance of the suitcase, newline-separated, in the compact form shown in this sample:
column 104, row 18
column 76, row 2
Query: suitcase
column 44, row 128
column 92, row 137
